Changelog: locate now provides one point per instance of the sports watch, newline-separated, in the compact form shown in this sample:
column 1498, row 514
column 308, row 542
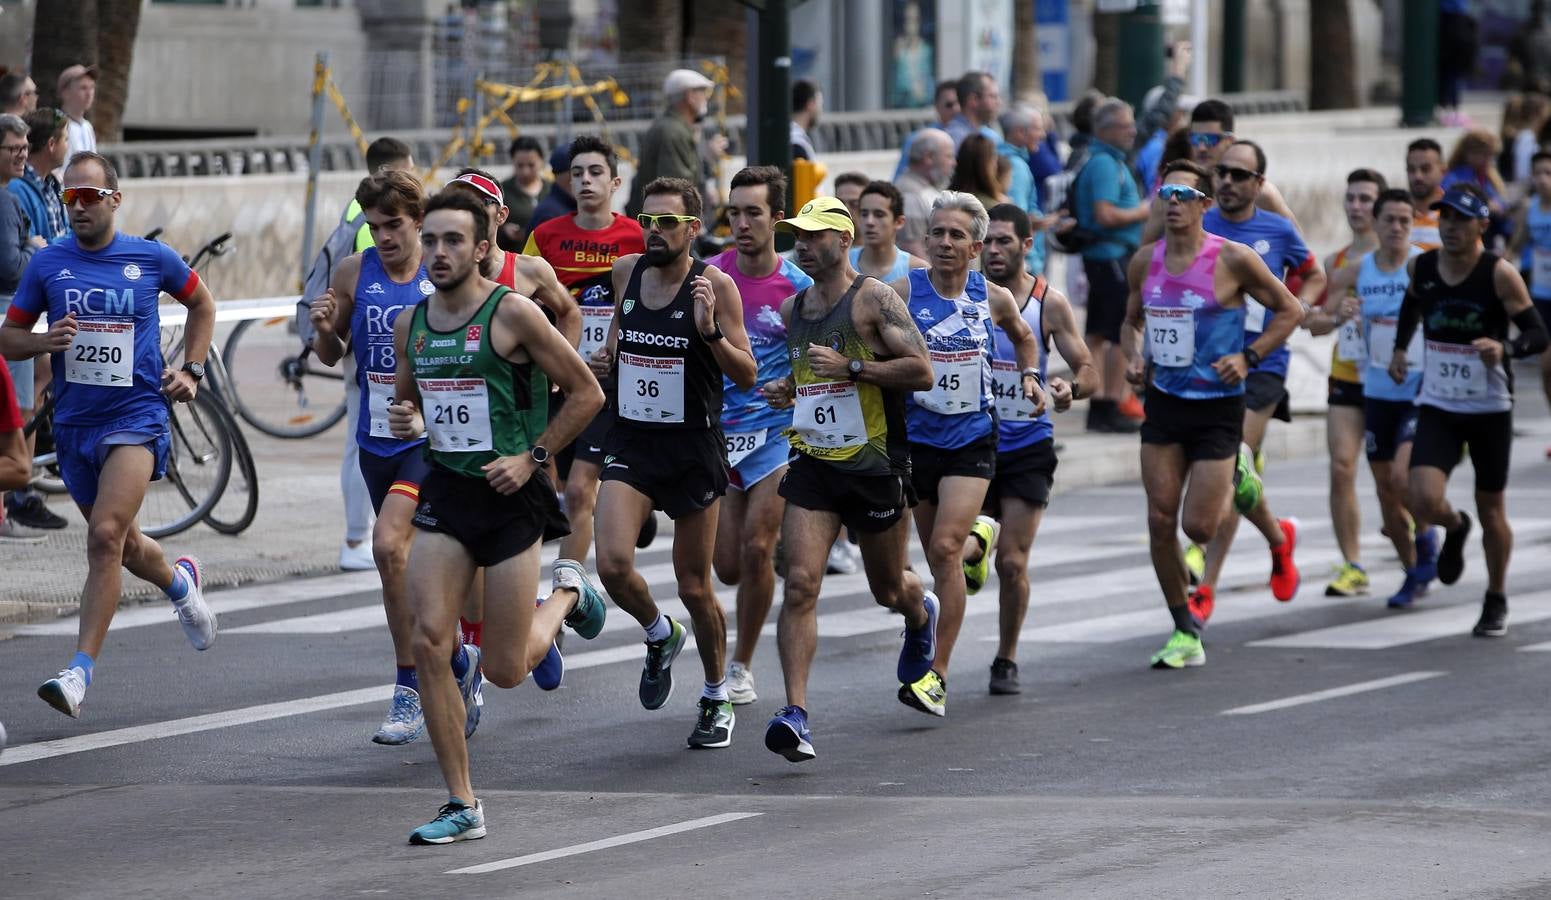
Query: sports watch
column 195, row 370
column 540, row 454
column 854, row 369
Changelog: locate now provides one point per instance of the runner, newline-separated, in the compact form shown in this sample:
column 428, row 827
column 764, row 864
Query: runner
column 1379, row 280
column 100, row 290
column 1533, row 232
column 1278, row 242
column 478, row 360
column 952, row 425
column 1344, row 412
column 855, row 352
column 882, row 209
column 1195, row 364
column 1424, row 175
column 583, row 248
column 1463, row 299
column 1025, row 450
column 753, row 432
column 677, row 331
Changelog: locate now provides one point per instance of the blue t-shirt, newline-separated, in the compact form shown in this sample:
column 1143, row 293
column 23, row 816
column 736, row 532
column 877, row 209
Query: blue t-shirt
column 1105, row 177
column 1280, row 245
column 900, row 269
column 113, row 370
column 957, row 411
column 1537, row 251
column 378, row 301
column 748, row 410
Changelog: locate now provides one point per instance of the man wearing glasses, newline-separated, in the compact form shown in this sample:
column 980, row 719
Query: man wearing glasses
column 100, row 291
column 16, row 249
column 677, row 331
column 1194, row 360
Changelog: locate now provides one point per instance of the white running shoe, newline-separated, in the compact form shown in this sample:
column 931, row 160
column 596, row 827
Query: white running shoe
column 841, row 560
column 405, row 721
column 356, row 559
column 740, row 684
column 65, row 691
column 196, row 617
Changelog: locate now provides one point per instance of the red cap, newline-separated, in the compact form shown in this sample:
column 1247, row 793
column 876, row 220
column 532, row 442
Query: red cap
column 483, row 185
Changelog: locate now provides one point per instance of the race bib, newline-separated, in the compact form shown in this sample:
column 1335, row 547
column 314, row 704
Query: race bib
column 956, row 390
column 1254, row 315
column 595, row 328
column 457, row 414
column 1381, row 343
column 1540, row 269
column 1171, row 336
column 379, row 396
column 651, row 388
column 1350, row 346
column 102, row 354
column 743, row 443
column 1454, row 372
column 1007, row 392
column 829, row 415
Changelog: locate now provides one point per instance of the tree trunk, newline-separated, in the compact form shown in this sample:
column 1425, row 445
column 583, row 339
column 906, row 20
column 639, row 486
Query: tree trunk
column 1106, row 44
column 115, row 53
column 1332, row 66
column 656, row 35
column 63, row 35
column 1026, row 77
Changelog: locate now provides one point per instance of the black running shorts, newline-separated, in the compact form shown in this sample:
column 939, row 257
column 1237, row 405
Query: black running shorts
column 1207, row 429
column 1441, row 439
column 493, row 527
column 681, row 471
column 1028, row 473
column 930, row 465
column 866, row 503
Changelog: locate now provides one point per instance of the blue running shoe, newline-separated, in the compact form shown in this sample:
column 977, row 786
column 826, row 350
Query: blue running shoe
column 405, row 721
column 788, row 735
column 1426, row 556
column 551, row 669
column 915, row 657
column 469, row 686
column 453, row 822
column 1410, row 590
column 587, row 618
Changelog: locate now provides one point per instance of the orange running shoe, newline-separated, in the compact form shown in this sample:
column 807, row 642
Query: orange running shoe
column 1201, row 603
column 1284, row 572
column 1131, row 407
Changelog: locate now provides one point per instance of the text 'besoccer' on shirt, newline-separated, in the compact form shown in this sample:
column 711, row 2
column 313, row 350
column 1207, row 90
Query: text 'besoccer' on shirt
column 1277, row 241
column 113, row 369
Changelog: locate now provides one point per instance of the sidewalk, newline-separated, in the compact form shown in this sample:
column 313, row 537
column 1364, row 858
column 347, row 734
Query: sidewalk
column 301, row 523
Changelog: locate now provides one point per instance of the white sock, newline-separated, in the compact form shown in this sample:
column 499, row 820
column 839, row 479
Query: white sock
column 715, row 691
column 659, row 629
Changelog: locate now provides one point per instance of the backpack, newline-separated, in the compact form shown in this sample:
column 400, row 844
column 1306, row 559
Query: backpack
column 340, row 244
column 1063, row 192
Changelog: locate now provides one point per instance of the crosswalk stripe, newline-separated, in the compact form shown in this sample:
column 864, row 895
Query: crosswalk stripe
column 1536, row 648
column 1362, row 687
column 1401, row 628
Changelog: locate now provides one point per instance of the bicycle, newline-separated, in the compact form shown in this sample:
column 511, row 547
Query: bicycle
column 310, row 398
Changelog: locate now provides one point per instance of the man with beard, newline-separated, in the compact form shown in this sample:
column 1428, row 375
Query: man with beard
column 671, row 147
column 881, row 214
column 753, row 431
column 1424, row 176
column 678, row 330
column 930, row 166
column 855, row 352
column 478, row 360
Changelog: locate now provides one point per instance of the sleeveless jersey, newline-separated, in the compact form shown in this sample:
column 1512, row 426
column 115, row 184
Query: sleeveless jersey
column 477, row 404
column 1424, row 229
column 1187, row 329
column 1454, row 378
column 666, row 376
column 1381, row 293
column 378, row 301
column 1017, row 426
column 852, row 425
column 747, row 411
column 1539, row 248
column 584, row 262
column 958, row 410
column 1277, row 241
column 113, row 370
column 899, row 270
column 1349, row 348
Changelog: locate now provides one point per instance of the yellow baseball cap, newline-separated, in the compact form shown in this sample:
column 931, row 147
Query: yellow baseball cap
column 820, row 214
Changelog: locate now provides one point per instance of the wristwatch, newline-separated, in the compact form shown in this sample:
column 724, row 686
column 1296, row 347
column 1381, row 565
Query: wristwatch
column 714, row 336
column 1032, row 372
column 540, row 454
column 1251, row 358
column 196, row 370
column 854, row 369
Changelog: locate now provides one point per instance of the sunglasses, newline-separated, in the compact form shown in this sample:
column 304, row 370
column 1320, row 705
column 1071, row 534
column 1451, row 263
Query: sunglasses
column 89, row 196
column 1184, row 193
column 1235, row 173
column 14, row 149
column 664, row 222
column 1207, row 139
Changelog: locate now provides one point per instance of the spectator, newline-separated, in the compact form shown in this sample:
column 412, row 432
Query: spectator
column 671, row 147
column 1529, row 54
column 1161, row 105
column 48, row 143
column 848, row 190
column 931, row 165
column 1044, row 157
column 1524, row 142
column 1457, row 46
column 77, row 89
column 18, row 94
column 945, row 103
column 980, row 101
column 1109, row 206
column 559, row 201
column 1474, row 161
column 1024, row 128
column 807, row 101
column 1082, row 128
column 1149, row 157
column 975, row 171
column 522, row 191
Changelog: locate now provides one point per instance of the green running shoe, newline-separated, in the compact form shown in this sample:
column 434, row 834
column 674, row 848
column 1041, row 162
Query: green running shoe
column 1183, row 649
column 1260, row 462
column 1247, row 486
column 657, row 673
column 713, row 726
column 1195, row 563
column 984, row 530
column 929, row 694
column 1350, row 581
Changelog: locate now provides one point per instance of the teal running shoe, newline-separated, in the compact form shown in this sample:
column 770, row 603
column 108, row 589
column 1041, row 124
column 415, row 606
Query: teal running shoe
column 455, row 821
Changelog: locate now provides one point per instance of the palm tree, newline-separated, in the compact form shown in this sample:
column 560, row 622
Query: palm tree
column 1026, row 79
column 67, row 34
column 1332, row 68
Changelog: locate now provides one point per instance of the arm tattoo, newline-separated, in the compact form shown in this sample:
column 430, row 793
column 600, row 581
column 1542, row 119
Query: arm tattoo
column 897, row 317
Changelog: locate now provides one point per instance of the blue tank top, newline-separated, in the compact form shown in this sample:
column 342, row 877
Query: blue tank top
column 898, row 271
column 378, row 301
column 1017, row 427
column 957, row 411
column 1538, row 250
column 1187, row 329
column 1381, row 293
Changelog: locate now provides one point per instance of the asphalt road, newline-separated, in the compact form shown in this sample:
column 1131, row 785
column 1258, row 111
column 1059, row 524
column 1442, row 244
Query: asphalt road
column 1329, row 747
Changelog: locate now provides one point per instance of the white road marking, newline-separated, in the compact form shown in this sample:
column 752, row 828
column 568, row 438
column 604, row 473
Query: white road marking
column 1400, row 628
column 634, row 837
column 1536, row 648
column 1360, row 687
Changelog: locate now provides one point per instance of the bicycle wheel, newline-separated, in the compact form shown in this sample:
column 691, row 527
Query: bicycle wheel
column 238, row 504
column 278, row 389
column 199, row 463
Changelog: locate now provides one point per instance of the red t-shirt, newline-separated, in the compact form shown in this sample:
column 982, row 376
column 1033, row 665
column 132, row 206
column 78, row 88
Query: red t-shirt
column 585, row 259
column 10, row 413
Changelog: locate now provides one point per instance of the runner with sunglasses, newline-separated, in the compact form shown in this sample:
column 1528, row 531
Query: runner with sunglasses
column 100, row 290
column 1185, row 339
column 677, row 331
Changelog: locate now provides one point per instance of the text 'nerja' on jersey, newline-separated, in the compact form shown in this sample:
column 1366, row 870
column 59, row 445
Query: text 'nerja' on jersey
column 1381, row 293
column 113, row 369
column 958, row 410
column 1017, row 426
column 666, row 375
column 1277, row 241
column 1187, row 328
column 477, row 404
column 748, row 411
column 378, row 301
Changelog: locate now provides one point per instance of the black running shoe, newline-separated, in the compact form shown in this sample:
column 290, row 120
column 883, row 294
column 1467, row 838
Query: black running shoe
column 648, row 533
column 31, row 511
column 1494, row 617
column 1004, row 677
column 1451, row 559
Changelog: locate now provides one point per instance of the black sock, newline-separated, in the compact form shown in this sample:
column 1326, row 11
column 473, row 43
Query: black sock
column 1183, row 621
column 1495, row 599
